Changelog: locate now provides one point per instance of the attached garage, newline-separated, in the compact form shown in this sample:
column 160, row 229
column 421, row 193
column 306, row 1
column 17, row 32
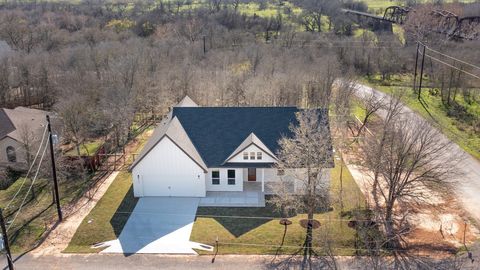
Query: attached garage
column 169, row 168
column 168, row 171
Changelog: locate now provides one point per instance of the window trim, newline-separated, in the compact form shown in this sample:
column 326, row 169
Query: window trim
column 231, row 180
column 245, row 155
column 215, row 180
column 11, row 154
column 259, row 155
column 252, row 156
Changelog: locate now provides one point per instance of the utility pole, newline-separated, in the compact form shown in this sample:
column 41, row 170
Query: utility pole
column 421, row 73
column 5, row 241
column 54, row 171
column 416, row 64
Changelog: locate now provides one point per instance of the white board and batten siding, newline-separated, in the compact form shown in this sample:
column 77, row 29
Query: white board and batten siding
column 168, row 171
column 223, row 185
column 252, row 149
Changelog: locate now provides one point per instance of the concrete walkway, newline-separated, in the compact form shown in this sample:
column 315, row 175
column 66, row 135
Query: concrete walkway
column 251, row 196
column 59, row 238
column 468, row 186
column 158, row 225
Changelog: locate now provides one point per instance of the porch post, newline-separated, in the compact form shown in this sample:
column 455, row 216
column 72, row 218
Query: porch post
column 263, row 179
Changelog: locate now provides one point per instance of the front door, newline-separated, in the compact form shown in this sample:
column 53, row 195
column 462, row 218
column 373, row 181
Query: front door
column 252, row 174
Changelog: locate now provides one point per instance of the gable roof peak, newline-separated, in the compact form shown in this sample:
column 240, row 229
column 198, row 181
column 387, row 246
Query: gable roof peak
column 172, row 129
column 186, row 102
column 251, row 139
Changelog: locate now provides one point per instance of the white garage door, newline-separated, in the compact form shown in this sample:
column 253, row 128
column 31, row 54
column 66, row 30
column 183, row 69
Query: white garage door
column 167, row 171
column 172, row 185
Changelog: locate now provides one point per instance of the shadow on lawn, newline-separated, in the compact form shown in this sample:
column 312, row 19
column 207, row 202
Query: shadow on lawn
column 239, row 220
column 123, row 212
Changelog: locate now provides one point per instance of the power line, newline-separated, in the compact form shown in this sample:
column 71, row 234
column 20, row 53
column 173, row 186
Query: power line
column 30, row 188
column 29, row 169
column 449, row 65
column 454, row 67
column 453, row 58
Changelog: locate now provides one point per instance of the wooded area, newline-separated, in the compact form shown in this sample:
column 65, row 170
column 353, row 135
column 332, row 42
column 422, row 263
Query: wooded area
column 105, row 66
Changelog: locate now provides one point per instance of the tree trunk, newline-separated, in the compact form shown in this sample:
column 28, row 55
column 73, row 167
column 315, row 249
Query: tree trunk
column 389, row 226
column 77, row 146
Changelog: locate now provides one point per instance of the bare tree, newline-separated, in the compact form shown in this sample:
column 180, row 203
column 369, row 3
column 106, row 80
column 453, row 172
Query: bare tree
column 342, row 105
column 309, row 148
column 371, row 104
column 75, row 121
column 408, row 158
column 29, row 143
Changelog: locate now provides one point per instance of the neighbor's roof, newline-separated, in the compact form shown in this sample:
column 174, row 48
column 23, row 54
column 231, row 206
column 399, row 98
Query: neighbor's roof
column 209, row 135
column 11, row 121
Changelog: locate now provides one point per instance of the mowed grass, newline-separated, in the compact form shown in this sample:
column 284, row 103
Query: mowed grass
column 459, row 131
column 236, row 235
column 257, row 230
column 103, row 223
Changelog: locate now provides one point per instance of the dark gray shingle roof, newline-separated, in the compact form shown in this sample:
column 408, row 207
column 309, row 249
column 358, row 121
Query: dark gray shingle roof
column 217, row 131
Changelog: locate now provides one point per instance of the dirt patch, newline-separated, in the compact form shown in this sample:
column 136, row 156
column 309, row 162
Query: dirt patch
column 439, row 223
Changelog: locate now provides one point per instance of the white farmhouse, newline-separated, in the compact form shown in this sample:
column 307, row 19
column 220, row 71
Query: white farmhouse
column 224, row 155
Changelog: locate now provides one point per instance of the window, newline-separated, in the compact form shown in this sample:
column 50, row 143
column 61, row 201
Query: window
column 252, row 155
column 11, row 154
column 215, row 177
column 245, row 155
column 259, row 155
column 231, row 177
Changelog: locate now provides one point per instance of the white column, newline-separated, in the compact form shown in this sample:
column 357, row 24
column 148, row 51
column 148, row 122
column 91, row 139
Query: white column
column 263, row 179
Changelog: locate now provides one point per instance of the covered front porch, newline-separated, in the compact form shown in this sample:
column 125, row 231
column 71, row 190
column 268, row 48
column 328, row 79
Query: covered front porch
column 251, row 196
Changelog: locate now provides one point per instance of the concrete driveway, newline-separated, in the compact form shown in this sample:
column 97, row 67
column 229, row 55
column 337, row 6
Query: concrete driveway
column 158, row 225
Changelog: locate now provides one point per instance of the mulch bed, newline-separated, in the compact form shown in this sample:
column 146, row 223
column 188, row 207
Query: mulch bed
column 315, row 223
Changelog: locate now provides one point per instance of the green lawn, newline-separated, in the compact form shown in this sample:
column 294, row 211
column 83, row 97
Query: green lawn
column 262, row 235
column 103, row 223
column 456, row 128
column 86, row 149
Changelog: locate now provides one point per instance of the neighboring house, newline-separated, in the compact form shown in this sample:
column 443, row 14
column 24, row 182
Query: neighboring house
column 200, row 151
column 20, row 130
